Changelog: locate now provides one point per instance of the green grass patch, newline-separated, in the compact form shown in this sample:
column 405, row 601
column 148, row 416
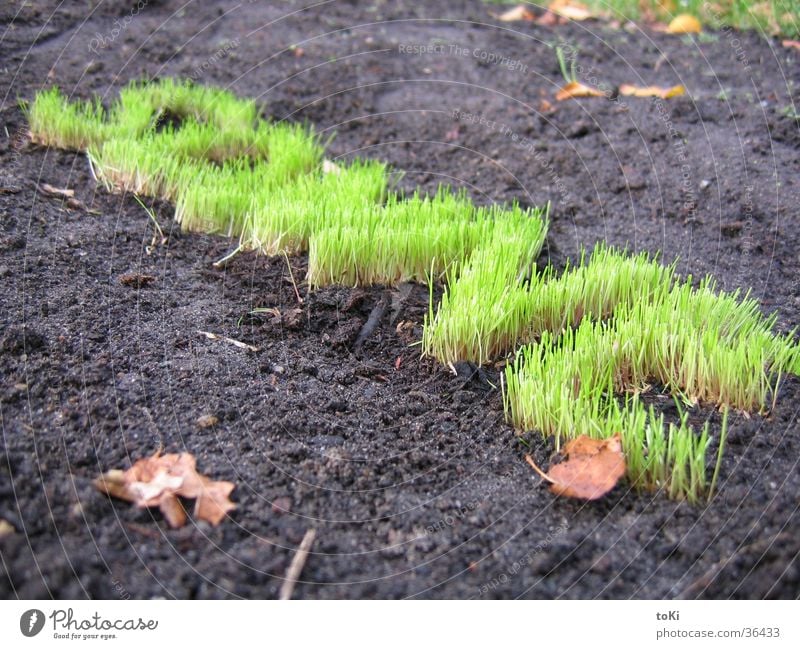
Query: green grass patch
column 629, row 323
column 481, row 314
column 409, row 239
column 587, row 343
column 56, row 121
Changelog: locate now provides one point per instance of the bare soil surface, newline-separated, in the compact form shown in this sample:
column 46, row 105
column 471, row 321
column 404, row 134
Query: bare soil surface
column 415, row 485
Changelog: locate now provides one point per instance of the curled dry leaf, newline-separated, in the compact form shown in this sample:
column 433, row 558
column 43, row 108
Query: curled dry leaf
column 684, row 24
column 520, row 12
column 574, row 90
column 159, row 480
column 651, row 91
column 570, row 9
column 592, row 468
column 794, row 44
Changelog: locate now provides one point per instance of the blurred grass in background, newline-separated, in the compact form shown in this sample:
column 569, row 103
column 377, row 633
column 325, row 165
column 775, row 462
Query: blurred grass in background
column 774, row 17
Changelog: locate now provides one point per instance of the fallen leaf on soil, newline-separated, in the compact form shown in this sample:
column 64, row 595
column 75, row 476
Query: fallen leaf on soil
column 794, row 44
column 520, row 12
column 684, row 24
column 137, row 280
column 75, row 204
column 161, row 479
column 549, row 19
column 651, row 91
column 570, row 9
column 592, row 468
column 49, row 190
column 574, row 89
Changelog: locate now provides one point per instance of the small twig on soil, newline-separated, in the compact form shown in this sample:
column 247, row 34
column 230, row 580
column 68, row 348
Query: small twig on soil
column 543, row 475
column 228, row 257
column 49, row 190
column 67, row 196
column 372, row 322
column 297, row 564
column 232, row 341
column 291, row 276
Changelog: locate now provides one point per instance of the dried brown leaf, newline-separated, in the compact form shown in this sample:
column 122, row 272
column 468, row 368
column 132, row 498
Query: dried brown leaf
column 570, row 9
column 684, row 24
column 575, row 90
column 520, row 12
column 212, row 502
column 159, row 480
column 592, row 468
column 137, row 280
column 172, row 510
column 549, row 19
column 651, row 91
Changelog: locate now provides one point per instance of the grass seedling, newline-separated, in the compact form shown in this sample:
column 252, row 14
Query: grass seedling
column 156, row 240
column 723, row 436
column 569, row 74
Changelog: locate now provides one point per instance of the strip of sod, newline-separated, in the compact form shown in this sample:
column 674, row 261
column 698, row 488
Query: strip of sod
column 588, row 342
column 231, row 173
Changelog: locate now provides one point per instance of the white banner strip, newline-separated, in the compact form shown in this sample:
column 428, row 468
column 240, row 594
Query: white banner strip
column 139, row 624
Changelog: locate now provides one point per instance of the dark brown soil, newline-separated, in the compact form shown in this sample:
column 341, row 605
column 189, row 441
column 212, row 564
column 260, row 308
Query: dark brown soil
column 414, row 484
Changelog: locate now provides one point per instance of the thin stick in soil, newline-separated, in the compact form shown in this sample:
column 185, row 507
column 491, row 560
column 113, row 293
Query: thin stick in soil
column 374, row 319
column 297, row 564
column 232, row 341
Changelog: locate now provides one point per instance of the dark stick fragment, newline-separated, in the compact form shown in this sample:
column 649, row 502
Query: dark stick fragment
column 470, row 373
column 374, row 319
